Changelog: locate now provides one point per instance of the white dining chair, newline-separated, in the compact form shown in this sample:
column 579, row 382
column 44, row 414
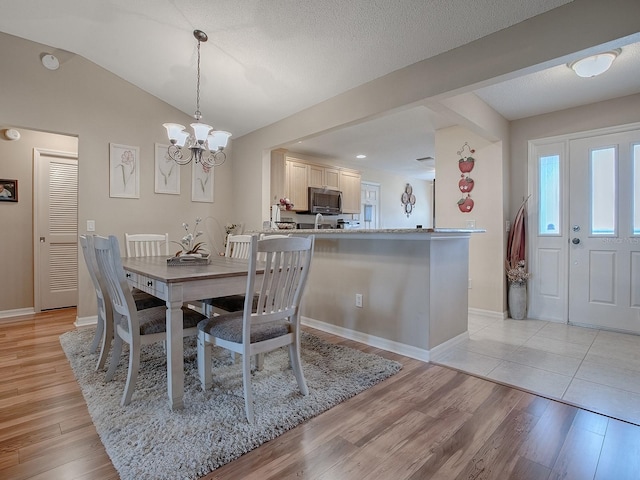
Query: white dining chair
column 274, row 323
column 104, row 327
column 136, row 327
column 238, row 246
column 147, row 244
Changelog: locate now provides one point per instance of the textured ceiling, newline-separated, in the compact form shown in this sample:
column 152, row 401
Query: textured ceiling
column 264, row 60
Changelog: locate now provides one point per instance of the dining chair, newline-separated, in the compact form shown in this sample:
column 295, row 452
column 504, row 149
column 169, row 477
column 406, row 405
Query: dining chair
column 274, row 323
column 136, row 327
column 146, row 244
column 235, row 303
column 104, row 327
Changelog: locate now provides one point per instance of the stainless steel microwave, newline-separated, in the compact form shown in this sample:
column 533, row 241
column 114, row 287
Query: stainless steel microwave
column 325, row 201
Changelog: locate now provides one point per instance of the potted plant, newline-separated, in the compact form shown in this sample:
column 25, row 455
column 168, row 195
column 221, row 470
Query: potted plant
column 188, row 244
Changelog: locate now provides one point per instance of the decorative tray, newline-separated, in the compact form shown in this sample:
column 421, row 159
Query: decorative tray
column 187, row 260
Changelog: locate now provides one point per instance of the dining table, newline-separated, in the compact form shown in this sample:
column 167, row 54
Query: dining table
column 182, row 283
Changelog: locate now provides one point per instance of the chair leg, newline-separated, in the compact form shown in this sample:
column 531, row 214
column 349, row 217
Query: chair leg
column 115, row 358
column 99, row 333
column 107, row 338
column 294, row 358
column 259, row 361
column 246, row 382
column 132, row 373
column 204, row 361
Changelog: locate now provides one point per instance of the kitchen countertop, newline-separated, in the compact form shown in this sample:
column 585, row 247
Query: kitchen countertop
column 408, row 233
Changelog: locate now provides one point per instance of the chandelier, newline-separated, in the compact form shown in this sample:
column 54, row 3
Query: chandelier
column 205, row 145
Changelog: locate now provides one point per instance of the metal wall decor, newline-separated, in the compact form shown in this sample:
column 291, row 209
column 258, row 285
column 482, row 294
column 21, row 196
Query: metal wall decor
column 466, row 183
column 408, row 199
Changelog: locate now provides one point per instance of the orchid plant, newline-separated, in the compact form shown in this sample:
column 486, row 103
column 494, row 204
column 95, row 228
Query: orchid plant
column 188, row 242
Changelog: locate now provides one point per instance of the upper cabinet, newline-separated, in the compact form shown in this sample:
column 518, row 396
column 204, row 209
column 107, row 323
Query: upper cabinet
column 324, row 177
column 350, row 186
column 291, row 177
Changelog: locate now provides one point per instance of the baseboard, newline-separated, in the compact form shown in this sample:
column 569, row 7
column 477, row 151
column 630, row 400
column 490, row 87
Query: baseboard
column 371, row 340
column 86, row 321
column 17, row 312
column 443, row 347
column 490, row 314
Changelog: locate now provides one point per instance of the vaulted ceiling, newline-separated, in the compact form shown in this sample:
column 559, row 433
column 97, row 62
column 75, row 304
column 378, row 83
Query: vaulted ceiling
column 266, row 60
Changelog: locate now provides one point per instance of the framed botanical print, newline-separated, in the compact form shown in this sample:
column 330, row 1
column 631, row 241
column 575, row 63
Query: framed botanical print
column 124, row 171
column 167, row 173
column 201, row 183
column 8, row 190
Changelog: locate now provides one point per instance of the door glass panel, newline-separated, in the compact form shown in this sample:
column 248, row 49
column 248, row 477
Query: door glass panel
column 603, row 191
column 549, row 194
column 636, row 189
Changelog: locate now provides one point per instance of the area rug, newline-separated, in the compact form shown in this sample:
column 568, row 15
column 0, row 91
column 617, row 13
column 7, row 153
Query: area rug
column 146, row 439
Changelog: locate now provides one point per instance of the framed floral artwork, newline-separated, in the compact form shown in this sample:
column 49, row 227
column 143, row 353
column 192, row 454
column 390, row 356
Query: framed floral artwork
column 8, row 190
column 201, row 183
column 124, row 171
column 167, row 174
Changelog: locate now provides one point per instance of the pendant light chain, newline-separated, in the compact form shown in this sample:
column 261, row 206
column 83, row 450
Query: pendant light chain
column 198, row 115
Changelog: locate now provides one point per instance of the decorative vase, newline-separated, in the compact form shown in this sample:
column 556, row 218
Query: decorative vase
column 517, row 300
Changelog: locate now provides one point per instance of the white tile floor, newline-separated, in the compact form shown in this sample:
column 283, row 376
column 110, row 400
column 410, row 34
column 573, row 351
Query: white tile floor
column 592, row 369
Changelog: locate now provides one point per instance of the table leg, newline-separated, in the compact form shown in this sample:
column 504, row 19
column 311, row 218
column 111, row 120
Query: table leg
column 175, row 347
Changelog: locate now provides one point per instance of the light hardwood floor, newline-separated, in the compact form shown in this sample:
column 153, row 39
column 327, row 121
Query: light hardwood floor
column 426, row 422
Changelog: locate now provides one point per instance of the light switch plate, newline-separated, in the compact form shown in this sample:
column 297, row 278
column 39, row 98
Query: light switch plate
column 91, row 225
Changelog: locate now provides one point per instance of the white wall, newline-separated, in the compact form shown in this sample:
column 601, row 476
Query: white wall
column 486, row 249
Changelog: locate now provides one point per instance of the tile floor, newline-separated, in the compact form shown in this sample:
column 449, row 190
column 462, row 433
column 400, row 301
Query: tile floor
column 593, row 369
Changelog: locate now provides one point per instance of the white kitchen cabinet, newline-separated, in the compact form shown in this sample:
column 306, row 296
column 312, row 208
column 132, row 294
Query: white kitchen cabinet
column 297, row 185
column 291, row 177
column 350, row 187
column 324, row 177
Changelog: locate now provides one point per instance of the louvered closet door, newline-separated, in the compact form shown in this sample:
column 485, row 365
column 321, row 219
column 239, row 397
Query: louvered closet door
column 56, row 229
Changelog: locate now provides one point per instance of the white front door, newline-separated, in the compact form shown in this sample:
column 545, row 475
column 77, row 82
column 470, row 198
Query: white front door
column 55, row 229
column 604, row 231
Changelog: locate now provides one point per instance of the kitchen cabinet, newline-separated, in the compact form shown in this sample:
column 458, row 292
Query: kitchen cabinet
column 324, row 177
column 291, row 177
column 350, row 187
column 297, row 179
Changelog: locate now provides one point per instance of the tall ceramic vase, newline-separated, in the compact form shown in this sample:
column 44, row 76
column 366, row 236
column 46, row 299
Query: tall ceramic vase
column 517, row 300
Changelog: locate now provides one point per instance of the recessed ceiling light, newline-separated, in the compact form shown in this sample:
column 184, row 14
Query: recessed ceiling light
column 595, row 64
column 361, row 156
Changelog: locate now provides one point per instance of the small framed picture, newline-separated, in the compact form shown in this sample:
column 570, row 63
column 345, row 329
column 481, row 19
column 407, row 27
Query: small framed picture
column 124, row 171
column 201, row 183
column 167, row 174
column 8, row 190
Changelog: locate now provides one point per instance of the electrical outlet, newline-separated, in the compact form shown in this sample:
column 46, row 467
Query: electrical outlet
column 359, row 300
column 469, row 284
column 91, row 225
column 507, row 226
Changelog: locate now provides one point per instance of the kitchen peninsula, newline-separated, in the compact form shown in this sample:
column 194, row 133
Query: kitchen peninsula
column 403, row 290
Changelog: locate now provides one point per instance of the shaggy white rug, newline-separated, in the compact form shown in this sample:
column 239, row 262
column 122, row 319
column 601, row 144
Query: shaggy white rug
column 147, row 440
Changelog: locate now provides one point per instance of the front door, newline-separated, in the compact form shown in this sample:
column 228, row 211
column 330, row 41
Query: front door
column 55, row 229
column 604, row 231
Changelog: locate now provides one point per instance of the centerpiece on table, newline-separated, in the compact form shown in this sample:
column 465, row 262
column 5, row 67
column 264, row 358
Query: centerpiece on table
column 188, row 244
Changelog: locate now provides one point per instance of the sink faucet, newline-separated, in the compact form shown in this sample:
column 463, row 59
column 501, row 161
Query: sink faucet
column 318, row 220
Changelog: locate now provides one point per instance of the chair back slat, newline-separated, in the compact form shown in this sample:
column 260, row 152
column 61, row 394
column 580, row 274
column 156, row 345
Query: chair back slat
column 146, row 244
column 238, row 246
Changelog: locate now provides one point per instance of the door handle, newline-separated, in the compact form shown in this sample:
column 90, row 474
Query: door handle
column 575, row 241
